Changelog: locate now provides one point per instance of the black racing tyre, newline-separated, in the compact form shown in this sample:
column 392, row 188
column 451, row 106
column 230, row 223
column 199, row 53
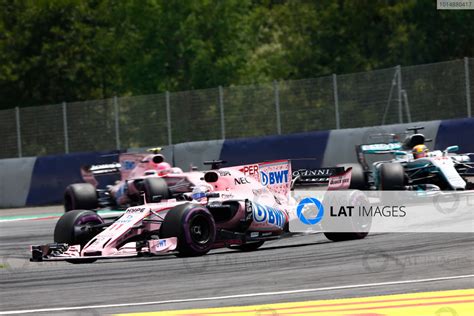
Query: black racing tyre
column 80, row 196
column 346, row 228
column 358, row 177
column 251, row 246
column 345, row 236
column 155, row 186
column 392, row 177
column 194, row 227
column 71, row 229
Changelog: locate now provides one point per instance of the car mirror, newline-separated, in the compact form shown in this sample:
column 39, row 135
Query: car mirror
column 452, row 149
column 399, row 153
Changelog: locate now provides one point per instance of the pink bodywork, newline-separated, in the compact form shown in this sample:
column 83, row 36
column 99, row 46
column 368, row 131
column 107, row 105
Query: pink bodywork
column 267, row 185
column 133, row 166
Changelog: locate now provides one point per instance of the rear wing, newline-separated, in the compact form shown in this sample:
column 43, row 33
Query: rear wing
column 90, row 172
column 274, row 175
column 120, row 169
column 375, row 149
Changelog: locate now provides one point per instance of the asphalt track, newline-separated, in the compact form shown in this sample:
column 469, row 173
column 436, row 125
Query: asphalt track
column 380, row 264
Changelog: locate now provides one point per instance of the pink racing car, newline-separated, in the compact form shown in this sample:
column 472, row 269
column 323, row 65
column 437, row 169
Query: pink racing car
column 237, row 207
column 138, row 172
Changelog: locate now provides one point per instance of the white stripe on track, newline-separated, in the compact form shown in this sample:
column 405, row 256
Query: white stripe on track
column 226, row 297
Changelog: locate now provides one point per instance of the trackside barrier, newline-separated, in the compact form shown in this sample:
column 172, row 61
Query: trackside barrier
column 341, row 143
column 302, row 145
column 42, row 180
column 456, row 132
column 193, row 154
column 15, row 180
column 51, row 175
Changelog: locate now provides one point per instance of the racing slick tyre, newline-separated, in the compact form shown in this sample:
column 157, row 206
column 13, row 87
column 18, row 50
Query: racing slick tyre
column 80, row 196
column 392, row 177
column 358, row 177
column 250, row 246
column 154, row 187
column 194, row 227
column 344, row 228
column 73, row 228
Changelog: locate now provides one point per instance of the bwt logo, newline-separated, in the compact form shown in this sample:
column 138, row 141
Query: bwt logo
column 268, row 215
column 304, row 206
column 128, row 164
column 274, row 177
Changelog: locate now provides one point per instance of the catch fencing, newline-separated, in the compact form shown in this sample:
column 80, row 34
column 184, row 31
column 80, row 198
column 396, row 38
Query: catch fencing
column 394, row 95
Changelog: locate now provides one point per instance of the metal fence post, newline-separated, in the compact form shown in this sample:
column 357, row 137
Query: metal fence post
column 468, row 88
column 276, row 89
column 117, row 123
column 336, row 101
column 221, row 106
column 168, row 117
column 66, row 135
column 18, row 132
column 400, row 100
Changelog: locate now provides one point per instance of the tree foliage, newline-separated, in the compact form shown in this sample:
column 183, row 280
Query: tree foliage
column 69, row 50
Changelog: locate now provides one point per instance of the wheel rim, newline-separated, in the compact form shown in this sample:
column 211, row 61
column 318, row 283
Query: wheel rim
column 200, row 230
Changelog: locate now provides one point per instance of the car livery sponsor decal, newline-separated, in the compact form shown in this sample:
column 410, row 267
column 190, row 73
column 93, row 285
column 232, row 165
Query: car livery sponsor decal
column 274, row 177
column 250, row 171
column 268, row 215
column 128, row 164
column 340, row 182
column 241, row 180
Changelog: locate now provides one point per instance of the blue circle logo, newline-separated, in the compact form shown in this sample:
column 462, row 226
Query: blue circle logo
column 310, row 221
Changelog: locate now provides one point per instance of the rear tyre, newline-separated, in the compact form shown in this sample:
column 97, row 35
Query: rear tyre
column 73, row 229
column 155, row 187
column 80, row 196
column 194, row 227
column 392, row 177
column 358, row 178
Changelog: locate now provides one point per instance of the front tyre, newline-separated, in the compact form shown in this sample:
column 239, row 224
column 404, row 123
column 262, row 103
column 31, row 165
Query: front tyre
column 194, row 227
column 392, row 177
column 74, row 228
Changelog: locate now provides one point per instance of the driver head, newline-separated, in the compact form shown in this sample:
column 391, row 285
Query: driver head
column 420, row 151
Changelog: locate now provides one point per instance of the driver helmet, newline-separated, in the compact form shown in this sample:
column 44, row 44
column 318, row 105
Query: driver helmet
column 420, row 151
column 199, row 192
column 163, row 168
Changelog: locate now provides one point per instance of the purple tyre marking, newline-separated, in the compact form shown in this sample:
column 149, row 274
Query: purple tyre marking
column 187, row 231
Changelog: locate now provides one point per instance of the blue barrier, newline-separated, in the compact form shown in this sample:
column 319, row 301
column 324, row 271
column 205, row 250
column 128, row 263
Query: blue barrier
column 309, row 145
column 456, row 132
column 52, row 174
